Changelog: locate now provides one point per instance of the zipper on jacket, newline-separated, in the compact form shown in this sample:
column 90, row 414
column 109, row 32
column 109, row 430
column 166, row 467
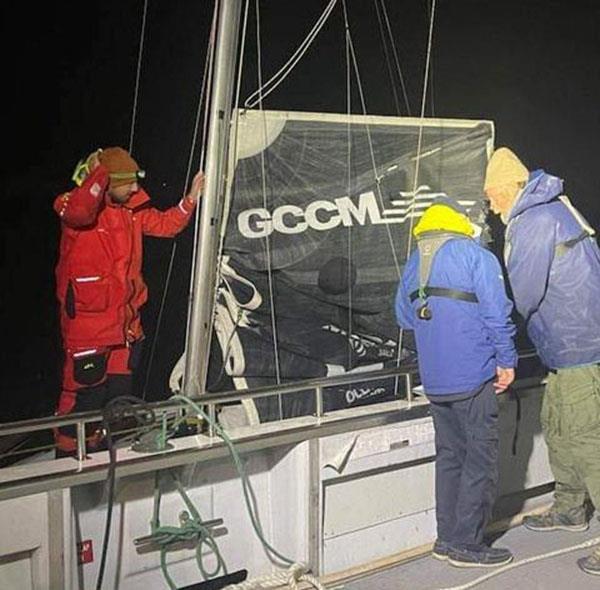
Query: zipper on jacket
column 129, row 312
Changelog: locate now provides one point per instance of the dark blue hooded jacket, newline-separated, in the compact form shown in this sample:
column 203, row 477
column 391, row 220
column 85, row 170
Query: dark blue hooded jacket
column 460, row 347
column 557, row 292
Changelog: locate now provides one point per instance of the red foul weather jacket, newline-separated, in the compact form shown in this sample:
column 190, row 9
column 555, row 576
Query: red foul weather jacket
column 99, row 280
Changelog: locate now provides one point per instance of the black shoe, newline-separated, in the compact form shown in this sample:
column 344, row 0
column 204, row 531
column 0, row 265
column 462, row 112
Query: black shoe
column 573, row 520
column 440, row 550
column 479, row 557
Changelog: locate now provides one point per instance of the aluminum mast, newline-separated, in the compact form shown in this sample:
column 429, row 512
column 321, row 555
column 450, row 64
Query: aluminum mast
column 203, row 285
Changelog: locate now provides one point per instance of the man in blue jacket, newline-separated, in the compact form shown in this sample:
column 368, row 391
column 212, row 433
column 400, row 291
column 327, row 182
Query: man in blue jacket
column 452, row 295
column 553, row 265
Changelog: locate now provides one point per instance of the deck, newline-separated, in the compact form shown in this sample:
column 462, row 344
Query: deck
column 553, row 573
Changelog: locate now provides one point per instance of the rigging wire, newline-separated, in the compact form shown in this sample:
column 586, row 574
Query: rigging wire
column 205, row 81
column 422, row 120
column 387, row 58
column 137, row 76
column 108, row 411
column 267, row 240
column 348, row 190
column 411, row 207
column 274, row 81
column 396, row 59
column 210, row 58
column 431, row 85
column 159, row 320
column 368, row 130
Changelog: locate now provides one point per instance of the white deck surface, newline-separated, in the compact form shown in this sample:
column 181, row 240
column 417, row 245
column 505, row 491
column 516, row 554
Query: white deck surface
column 555, row 573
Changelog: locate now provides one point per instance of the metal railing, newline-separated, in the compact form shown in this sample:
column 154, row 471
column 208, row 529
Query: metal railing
column 320, row 386
column 212, row 400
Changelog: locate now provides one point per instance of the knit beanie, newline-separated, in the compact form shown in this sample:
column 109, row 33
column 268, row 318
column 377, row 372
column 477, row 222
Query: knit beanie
column 122, row 168
column 504, row 167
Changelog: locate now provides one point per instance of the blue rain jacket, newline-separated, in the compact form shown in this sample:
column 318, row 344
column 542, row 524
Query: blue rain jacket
column 461, row 346
column 558, row 295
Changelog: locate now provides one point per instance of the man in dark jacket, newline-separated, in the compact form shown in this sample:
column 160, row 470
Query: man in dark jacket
column 99, row 281
column 553, row 264
column 452, row 295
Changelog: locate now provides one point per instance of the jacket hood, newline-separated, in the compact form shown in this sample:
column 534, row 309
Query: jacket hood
column 541, row 188
column 138, row 199
column 443, row 218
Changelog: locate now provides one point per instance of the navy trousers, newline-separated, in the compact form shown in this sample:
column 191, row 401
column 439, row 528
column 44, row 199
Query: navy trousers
column 466, row 466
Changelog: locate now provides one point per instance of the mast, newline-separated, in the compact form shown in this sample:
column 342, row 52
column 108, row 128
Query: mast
column 203, row 283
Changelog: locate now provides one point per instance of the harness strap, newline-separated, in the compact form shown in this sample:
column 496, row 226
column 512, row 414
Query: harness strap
column 587, row 230
column 563, row 247
column 441, row 292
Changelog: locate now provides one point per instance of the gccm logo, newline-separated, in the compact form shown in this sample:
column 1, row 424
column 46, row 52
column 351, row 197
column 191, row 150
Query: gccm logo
column 324, row 215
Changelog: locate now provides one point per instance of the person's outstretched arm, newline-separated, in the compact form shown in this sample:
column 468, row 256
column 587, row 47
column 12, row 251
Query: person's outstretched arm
column 167, row 224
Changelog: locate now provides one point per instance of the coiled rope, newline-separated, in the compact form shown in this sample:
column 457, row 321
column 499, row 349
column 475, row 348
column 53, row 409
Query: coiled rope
column 191, row 529
column 292, row 577
column 296, row 572
column 517, row 564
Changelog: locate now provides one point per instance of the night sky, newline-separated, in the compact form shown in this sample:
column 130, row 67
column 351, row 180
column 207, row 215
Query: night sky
column 533, row 67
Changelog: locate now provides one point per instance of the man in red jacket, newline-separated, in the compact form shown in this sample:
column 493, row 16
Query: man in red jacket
column 99, row 280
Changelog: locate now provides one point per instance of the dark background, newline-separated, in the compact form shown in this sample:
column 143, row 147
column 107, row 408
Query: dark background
column 533, row 67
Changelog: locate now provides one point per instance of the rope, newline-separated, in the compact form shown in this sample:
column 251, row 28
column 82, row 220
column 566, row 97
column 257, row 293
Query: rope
column 225, row 350
column 417, row 165
column 516, row 564
column 137, row 77
column 291, row 578
column 191, row 529
column 249, row 496
column 267, row 240
column 272, row 83
column 115, row 410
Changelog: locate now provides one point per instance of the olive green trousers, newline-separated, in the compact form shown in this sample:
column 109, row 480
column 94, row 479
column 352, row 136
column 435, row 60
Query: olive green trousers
column 571, row 425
